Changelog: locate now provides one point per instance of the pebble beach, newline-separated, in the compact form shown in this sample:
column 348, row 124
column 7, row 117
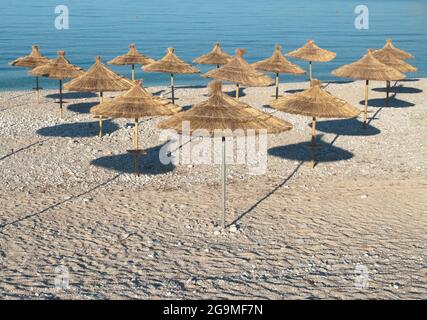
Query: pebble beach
column 352, row 227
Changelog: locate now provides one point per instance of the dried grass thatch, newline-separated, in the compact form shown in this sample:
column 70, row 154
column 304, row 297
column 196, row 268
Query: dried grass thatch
column 34, row 59
column 216, row 57
column 221, row 112
column 311, row 52
column 59, row 68
column 277, row 63
column 131, row 58
column 98, row 78
column 396, row 52
column 170, row 63
column 315, row 102
column 135, row 103
column 220, row 116
column 388, row 58
column 240, row 72
column 368, row 68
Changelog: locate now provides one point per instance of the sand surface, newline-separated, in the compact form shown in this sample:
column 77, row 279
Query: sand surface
column 354, row 227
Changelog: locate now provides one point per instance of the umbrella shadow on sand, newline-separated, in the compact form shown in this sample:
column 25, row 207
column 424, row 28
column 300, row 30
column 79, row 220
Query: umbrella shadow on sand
column 325, row 152
column 78, row 129
column 393, row 102
column 158, row 93
column 292, row 91
column 346, row 127
column 398, row 89
column 148, row 163
column 83, row 107
column 72, row 95
column 409, row 80
column 232, row 93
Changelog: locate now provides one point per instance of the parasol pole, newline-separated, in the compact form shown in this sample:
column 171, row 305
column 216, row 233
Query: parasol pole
column 100, row 126
column 223, row 174
column 388, row 93
column 365, row 116
column 135, row 135
column 311, row 71
column 237, row 91
column 313, row 143
column 37, row 89
column 173, row 88
column 101, row 100
column 133, row 72
column 135, row 147
column 277, row 85
column 60, row 99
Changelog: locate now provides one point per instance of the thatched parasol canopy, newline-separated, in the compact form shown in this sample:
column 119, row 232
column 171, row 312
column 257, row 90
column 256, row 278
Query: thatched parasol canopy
column 388, row 58
column 133, row 57
column 368, row 68
column 398, row 53
column 316, row 103
column 135, row 103
column 170, row 63
column 277, row 63
column 240, row 72
column 216, row 57
column 99, row 78
column 34, row 59
column 59, row 69
column 220, row 114
column 312, row 53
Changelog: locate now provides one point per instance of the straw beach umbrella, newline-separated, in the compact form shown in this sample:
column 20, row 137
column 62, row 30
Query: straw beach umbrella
column 133, row 57
column 316, row 103
column 219, row 116
column 136, row 103
column 396, row 52
column 388, row 58
column 216, row 57
column 368, row 68
column 240, row 72
column 312, row 53
column 170, row 63
column 59, row 69
column 99, row 78
column 277, row 64
column 34, row 59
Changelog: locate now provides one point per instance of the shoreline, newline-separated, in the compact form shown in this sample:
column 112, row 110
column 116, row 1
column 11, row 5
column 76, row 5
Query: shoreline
column 204, row 81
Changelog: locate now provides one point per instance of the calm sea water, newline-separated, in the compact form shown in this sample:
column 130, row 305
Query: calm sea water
column 107, row 27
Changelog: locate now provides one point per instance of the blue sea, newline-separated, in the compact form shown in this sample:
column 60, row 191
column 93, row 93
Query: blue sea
column 107, row 27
